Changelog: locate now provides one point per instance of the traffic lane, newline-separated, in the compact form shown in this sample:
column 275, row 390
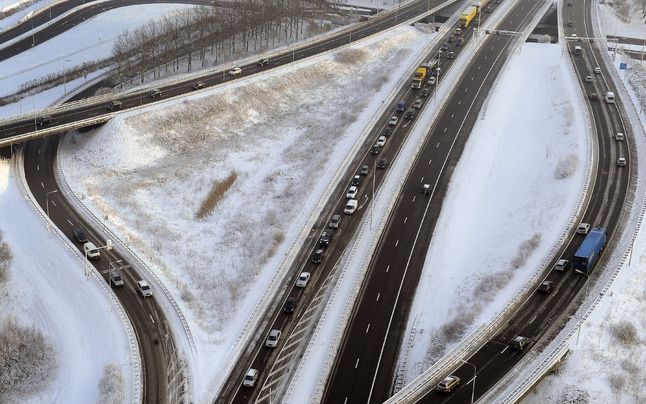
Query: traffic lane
column 38, row 154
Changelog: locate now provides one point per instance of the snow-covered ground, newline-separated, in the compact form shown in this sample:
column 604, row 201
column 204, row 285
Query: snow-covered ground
column 613, row 25
column 89, row 41
column 48, row 291
column 280, row 141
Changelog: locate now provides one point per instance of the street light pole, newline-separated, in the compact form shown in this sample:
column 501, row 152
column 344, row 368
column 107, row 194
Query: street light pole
column 47, row 205
column 473, row 386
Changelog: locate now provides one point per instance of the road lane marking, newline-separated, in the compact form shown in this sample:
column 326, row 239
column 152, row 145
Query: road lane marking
column 37, row 167
column 459, row 101
column 151, row 318
column 413, row 198
column 437, row 145
column 387, row 268
column 42, row 185
column 53, row 203
column 405, row 219
column 532, row 320
column 378, row 294
column 397, row 243
column 68, row 221
column 356, row 365
column 429, row 161
column 503, row 351
column 368, row 328
column 452, row 115
column 421, row 180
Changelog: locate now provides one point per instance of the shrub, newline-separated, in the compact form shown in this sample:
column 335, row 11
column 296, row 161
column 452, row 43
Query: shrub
column 215, row 195
column 625, row 333
column 111, row 385
column 566, row 167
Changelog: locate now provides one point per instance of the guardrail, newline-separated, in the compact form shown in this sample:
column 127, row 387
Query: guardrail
column 137, row 387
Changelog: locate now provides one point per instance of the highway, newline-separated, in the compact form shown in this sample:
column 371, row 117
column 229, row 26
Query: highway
column 541, row 315
column 364, row 370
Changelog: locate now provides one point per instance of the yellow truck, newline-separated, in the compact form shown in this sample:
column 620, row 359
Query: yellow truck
column 467, row 16
column 419, row 76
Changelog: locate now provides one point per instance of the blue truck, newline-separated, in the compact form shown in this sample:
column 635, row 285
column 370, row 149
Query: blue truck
column 590, row 250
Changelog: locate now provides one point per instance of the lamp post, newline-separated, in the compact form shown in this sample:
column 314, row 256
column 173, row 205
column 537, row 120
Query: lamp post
column 64, row 76
column 47, row 205
column 473, row 386
column 578, row 330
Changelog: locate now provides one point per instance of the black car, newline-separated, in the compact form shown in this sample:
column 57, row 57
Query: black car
column 387, row 132
column 546, row 287
column 356, row 180
column 444, row 47
column 317, row 257
column 325, row 238
column 375, row 149
column 80, row 236
column 410, row 114
column 424, row 93
column 44, row 120
column 382, row 163
column 262, row 62
column 290, row 305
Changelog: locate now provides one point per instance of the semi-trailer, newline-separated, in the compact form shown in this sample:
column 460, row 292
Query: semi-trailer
column 590, row 250
column 467, row 16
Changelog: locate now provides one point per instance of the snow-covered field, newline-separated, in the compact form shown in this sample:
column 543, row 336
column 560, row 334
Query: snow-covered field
column 278, row 138
column 611, row 24
column 48, row 291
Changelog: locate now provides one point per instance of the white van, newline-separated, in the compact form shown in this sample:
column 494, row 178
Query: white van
column 350, row 206
column 610, row 97
column 91, row 251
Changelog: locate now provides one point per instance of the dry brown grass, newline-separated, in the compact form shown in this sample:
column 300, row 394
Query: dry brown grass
column 217, row 192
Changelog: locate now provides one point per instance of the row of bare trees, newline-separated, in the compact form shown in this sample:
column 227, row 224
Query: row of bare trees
column 247, row 25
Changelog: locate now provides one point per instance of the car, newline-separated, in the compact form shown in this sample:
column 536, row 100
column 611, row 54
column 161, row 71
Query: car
column 619, row 136
column 593, row 97
column 444, row 47
column 410, row 114
column 115, row 105
column 91, row 251
column 382, row 163
column 365, row 169
column 350, row 206
column 424, row 93
column 115, row 279
column 381, row 141
column 375, row 149
column 450, row 55
column 393, row 120
column 272, row 338
column 401, row 106
column 570, row 23
column 302, row 280
column 44, row 120
column 621, row 162
column 234, row 71
column 317, row 257
column 569, row 4
column 583, row 228
column 325, row 238
column 290, row 305
column 450, row 40
column 335, row 222
column 155, row 93
column 448, row 384
column 352, row 192
column 597, row 70
column 387, row 131
column 519, row 342
column 144, row 288
column 436, row 72
column 418, row 103
column 458, row 31
column 459, row 42
column 198, row 85
column 588, row 79
column 356, row 180
column 488, row 10
column 432, row 80
column 80, row 236
column 250, row 378
column 262, row 62
column 562, row 265
column 546, row 287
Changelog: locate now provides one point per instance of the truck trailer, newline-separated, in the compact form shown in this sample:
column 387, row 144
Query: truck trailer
column 467, row 16
column 590, row 250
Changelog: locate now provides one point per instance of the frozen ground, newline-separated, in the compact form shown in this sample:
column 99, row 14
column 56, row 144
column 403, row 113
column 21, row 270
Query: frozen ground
column 607, row 364
column 47, row 290
column 613, row 25
column 278, row 138
column 513, row 191
column 86, row 42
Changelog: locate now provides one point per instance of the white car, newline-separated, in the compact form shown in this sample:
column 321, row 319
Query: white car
column 250, row 378
column 431, row 81
column 144, row 288
column 91, row 251
column 393, row 120
column 235, row 71
column 583, row 228
column 597, row 70
column 621, row 162
column 272, row 338
column 351, row 206
column 303, row 279
column 352, row 192
column 381, row 141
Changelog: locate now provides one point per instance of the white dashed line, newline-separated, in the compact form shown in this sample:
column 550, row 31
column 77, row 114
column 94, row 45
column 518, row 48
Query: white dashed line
column 405, row 219
column 368, row 328
column 396, row 243
column 387, row 268
column 356, row 365
column 378, row 294
column 437, row 145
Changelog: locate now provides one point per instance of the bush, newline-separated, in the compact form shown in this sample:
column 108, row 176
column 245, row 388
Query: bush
column 27, row 360
column 617, row 382
column 625, row 333
column 566, row 167
column 525, row 249
column 111, row 385
column 573, row 395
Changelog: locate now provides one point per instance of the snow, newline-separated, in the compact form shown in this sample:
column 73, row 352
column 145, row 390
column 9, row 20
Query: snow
column 89, row 41
column 611, row 24
column 149, row 171
column 48, row 290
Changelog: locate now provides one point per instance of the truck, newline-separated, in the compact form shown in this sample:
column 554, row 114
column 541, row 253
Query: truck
column 577, row 50
column 590, row 250
column 480, row 3
column 419, row 76
column 467, row 16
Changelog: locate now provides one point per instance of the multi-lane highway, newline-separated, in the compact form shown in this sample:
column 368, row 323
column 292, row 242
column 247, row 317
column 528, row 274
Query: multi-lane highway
column 541, row 313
